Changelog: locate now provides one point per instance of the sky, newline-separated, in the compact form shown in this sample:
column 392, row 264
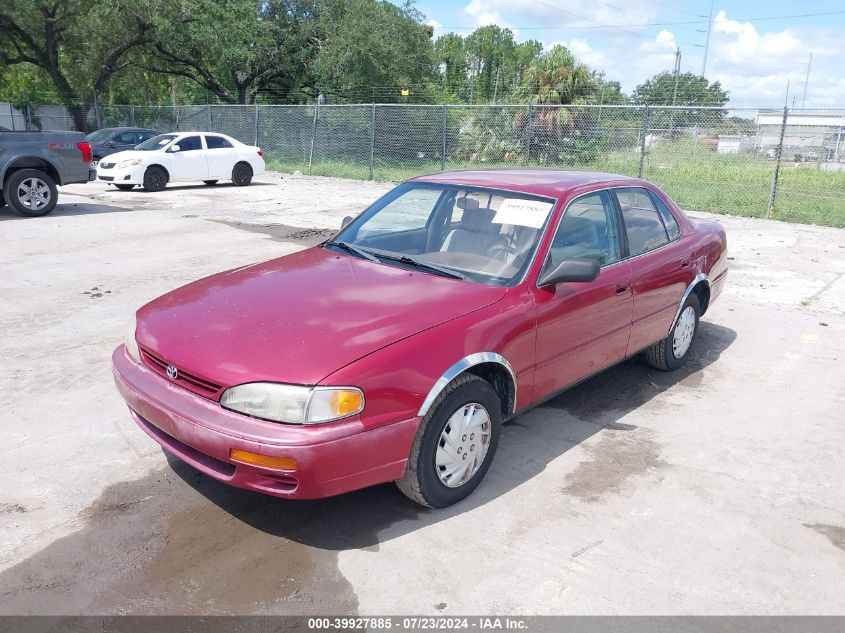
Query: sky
column 751, row 54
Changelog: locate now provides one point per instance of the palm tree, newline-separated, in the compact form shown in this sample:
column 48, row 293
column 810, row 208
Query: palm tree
column 556, row 79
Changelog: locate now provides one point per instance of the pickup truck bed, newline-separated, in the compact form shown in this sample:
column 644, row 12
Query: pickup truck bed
column 32, row 164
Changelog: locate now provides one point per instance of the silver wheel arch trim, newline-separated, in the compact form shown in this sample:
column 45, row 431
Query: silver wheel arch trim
column 696, row 280
column 460, row 367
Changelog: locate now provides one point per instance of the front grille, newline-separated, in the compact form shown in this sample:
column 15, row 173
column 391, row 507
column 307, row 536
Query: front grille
column 189, row 381
column 106, row 165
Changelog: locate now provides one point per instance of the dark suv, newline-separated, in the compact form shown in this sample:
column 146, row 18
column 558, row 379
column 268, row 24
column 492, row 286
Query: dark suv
column 117, row 139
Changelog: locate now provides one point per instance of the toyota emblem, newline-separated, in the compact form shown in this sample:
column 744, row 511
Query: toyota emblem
column 172, row 372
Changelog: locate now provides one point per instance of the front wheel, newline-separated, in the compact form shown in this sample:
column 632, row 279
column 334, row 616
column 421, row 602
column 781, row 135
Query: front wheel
column 455, row 444
column 670, row 353
column 155, row 179
column 31, row 192
column 242, row 174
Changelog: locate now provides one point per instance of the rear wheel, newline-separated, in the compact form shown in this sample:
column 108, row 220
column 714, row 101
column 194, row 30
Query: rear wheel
column 210, row 182
column 455, row 443
column 242, row 174
column 670, row 353
column 31, row 192
column 155, row 179
column 125, row 187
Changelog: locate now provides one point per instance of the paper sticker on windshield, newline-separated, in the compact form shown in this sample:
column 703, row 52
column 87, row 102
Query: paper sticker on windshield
column 532, row 213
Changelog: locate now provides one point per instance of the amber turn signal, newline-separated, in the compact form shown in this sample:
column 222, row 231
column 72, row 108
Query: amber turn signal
column 267, row 461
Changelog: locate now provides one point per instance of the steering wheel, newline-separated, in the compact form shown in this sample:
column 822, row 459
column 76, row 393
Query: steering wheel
column 503, row 248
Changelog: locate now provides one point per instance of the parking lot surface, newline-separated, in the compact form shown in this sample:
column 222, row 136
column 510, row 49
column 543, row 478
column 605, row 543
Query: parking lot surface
column 719, row 488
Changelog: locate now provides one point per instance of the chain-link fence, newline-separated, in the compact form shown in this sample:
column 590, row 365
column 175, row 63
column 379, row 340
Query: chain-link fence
column 756, row 162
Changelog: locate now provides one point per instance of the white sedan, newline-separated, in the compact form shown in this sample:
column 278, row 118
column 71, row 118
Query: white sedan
column 182, row 157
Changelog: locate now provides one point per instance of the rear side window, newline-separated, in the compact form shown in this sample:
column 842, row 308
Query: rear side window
column 217, row 142
column 189, row 143
column 643, row 223
column 669, row 221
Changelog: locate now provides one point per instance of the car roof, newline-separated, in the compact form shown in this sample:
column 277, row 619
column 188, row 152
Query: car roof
column 539, row 181
column 124, row 129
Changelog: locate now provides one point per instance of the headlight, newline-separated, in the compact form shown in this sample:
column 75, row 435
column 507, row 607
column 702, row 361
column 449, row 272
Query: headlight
column 129, row 162
column 130, row 342
column 293, row 404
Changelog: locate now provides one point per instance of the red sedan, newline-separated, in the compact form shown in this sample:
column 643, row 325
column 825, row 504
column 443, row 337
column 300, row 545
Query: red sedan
column 395, row 350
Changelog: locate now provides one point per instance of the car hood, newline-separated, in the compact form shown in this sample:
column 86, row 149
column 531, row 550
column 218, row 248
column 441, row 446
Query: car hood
column 129, row 153
column 299, row 318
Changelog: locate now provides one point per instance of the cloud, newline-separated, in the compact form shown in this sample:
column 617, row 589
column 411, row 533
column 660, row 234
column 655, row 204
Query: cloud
column 752, row 61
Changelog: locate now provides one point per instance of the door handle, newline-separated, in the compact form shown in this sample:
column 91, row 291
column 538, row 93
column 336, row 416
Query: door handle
column 685, row 263
column 621, row 288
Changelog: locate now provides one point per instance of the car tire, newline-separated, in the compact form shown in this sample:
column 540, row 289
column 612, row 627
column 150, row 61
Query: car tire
column 242, row 174
column 16, row 187
column 670, row 353
column 125, row 187
column 155, row 179
column 425, row 480
column 210, row 182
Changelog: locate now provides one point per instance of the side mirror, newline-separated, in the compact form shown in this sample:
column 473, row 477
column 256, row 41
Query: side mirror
column 346, row 221
column 173, row 148
column 111, row 144
column 575, row 269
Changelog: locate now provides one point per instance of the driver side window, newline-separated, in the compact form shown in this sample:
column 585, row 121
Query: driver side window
column 588, row 229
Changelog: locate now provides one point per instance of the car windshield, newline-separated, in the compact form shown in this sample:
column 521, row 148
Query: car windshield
column 100, row 136
column 484, row 235
column 156, row 142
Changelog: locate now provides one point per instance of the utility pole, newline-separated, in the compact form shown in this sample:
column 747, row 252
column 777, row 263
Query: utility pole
column 675, row 91
column 677, row 74
column 707, row 41
column 807, row 81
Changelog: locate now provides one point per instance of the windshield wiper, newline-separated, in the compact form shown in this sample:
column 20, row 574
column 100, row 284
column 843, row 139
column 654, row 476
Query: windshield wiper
column 445, row 272
column 353, row 249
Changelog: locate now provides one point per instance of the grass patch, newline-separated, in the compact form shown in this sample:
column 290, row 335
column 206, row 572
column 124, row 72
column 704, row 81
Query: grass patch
column 695, row 177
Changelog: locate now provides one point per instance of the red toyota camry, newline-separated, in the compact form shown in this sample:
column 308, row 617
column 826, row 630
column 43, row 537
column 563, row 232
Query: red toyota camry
column 395, row 350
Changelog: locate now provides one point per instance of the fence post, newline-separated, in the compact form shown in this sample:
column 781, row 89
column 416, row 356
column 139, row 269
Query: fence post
column 132, row 116
column 313, row 134
column 643, row 134
column 528, row 136
column 773, row 190
column 255, row 132
column 11, row 116
column 28, row 118
column 372, row 138
column 443, row 139
column 208, row 116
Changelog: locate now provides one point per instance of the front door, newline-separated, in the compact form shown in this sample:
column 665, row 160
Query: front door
column 583, row 327
column 190, row 162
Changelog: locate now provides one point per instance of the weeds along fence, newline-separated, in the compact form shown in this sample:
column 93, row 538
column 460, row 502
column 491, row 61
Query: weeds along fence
column 784, row 164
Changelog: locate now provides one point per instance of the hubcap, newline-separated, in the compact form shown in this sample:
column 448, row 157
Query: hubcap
column 463, row 445
column 684, row 331
column 34, row 193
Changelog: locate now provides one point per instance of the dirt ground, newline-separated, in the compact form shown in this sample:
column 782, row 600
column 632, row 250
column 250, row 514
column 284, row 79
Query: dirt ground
column 719, row 488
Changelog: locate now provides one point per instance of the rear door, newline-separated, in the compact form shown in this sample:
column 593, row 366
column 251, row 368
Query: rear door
column 583, row 327
column 221, row 156
column 660, row 264
column 190, row 162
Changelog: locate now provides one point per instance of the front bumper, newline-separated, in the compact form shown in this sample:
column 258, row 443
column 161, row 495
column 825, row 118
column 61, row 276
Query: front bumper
column 331, row 458
column 133, row 175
